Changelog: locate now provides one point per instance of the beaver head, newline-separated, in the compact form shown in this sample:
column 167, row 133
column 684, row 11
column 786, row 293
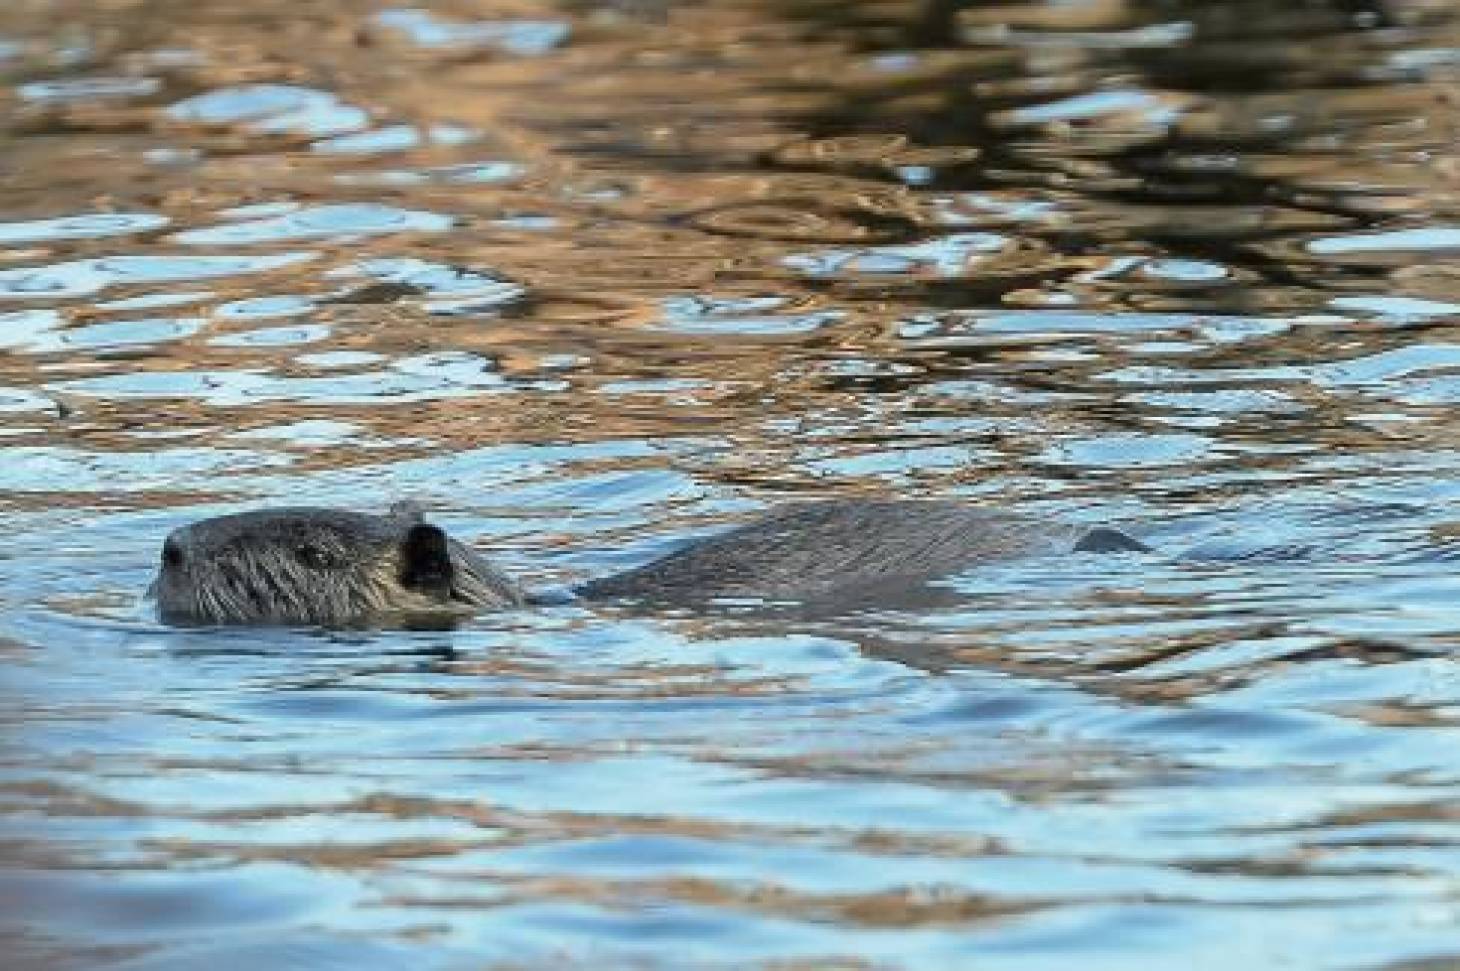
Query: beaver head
column 323, row 567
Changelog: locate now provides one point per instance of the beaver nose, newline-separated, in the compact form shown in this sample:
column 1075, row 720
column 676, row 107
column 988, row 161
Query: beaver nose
column 172, row 554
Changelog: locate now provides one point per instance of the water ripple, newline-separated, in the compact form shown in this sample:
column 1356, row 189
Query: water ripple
column 272, row 108
column 319, row 222
column 84, row 277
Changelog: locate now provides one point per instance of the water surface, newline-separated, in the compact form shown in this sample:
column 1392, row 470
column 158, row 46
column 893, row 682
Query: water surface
column 587, row 278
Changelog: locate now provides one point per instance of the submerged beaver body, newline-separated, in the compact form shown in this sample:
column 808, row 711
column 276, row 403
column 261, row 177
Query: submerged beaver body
column 329, row 567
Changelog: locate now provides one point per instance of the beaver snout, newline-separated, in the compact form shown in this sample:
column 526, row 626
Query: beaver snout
column 172, row 553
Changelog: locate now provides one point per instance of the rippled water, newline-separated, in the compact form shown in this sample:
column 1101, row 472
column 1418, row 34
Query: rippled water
column 586, row 278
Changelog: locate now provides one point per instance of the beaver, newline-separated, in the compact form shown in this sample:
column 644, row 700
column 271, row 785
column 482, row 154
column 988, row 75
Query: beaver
column 332, row 568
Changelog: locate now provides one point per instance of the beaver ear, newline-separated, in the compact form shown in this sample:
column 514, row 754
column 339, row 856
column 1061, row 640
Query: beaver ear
column 407, row 510
column 425, row 562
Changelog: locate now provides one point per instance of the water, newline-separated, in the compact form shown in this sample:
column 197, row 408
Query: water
column 587, row 278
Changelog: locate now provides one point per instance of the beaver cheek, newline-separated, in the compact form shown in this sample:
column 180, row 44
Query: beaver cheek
column 425, row 559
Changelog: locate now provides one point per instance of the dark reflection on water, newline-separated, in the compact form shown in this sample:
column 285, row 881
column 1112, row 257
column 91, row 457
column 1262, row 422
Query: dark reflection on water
column 586, row 278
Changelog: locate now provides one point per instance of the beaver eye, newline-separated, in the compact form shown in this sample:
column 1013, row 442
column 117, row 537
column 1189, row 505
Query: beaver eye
column 172, row 554
column 312, row 556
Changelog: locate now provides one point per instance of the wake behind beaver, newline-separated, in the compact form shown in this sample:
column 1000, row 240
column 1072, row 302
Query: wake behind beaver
column 334, row 568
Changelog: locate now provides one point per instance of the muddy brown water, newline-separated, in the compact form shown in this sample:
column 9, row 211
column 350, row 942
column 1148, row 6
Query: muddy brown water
column 589, row 278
